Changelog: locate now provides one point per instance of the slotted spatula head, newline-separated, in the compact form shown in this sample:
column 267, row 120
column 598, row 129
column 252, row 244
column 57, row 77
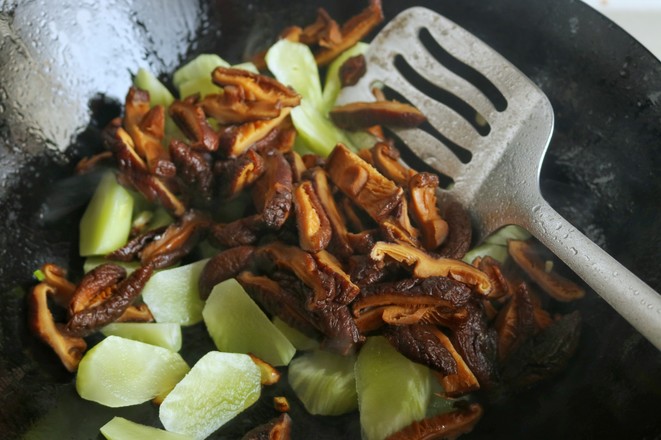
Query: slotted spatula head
column 489, row 125
column 488, row 129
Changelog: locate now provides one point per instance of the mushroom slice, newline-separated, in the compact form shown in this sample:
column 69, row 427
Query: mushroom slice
column 460, row 231
column 324, row 32
column 87, row 164
column 177, row 241
column 398, row 228
column 273, row 191
column 131, row 249
column 339, row 241
column 329, row 265
column 68, row 348
column 352, row 70
column 281, row 138
column 236, row 139
column 96, row 286
column 515, row 322
column 423, row 207
column 240, row 173
column 528, row 259
column 192, row 121
column 256, row 87
column 363, row 184
column 297, row 166
column 91, row 319
column 425, row 266
column 339, row 328
column 231, row 107
column 241, row 232
column 410, row 315
column 361, row 115
column 443, row 426
column 136, row 313
column 385, row 158
column 194, row 169
column 56, row 278
column 501, row 287
column 314, row 230
column 420, row 344
column 146, row 126
column 463, row 381
column 223, row 266
column 276, row 429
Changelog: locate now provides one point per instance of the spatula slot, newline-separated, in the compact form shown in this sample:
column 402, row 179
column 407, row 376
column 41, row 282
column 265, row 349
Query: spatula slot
column 472, row 116
column 462, row 69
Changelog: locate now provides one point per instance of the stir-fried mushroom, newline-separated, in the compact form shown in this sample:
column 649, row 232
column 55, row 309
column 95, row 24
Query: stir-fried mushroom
column 192, row 121
column 552, row 283
column 277, row 429
column 68, row 348
column 235, row 175
column 423, row 207
column 237, row 139
column 385, row 158
column 242, row 232
column 256, row 87
column 223, row 266
column 458, row 240
column 273, row 191
column 314, row 230
column 463, row 381
column 515, row 322
column 501, row 286
column 231, row 107
column 443, row 426
column 398, row 228
column 425, row 265
column 95, row 287
column 360, row 115
column 62, row 288
column 134, row 247
column 194, row 169
column 352, row 70
column 420, row 344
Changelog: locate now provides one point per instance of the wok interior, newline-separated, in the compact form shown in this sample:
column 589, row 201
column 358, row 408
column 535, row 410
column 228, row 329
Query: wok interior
column 601, row 172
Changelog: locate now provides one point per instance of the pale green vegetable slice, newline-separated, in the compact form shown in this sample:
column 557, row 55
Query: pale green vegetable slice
column 172, row 295
column 92, row 262
column 218, row 387
column 237, row 324
column 297, row 338
column 199, row 67
column 324, row 382
column 158, row 93
column 166, row 335
column 106, row 223
column 121, row 372
column 506, row 233
column 317, row 131
column 203, row 85
column 293, row 64
column 495, row 251
column 392, row 390
column 332, row 85
column 119, row 428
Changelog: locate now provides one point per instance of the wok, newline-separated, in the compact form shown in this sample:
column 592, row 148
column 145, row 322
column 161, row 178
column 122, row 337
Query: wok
column 65, row 67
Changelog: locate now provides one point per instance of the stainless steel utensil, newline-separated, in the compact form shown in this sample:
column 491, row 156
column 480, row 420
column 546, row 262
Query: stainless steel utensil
column 505, row 122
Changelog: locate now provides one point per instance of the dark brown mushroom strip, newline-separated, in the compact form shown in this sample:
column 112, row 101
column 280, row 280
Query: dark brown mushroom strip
column 420, row 344
column 96, row 286
column 313, row 160
column 281, row 138
column 339, row 241
column 242, row 232
column 231, row 107
column 545, row 354
column 352, row 70
column 223, row 266
column 279, row 301
column 398, row 228
column 240, row 173
column 528, row 259
column 87, row 164
column 365, row 271
column 237, row 139
column 91, row 319
column 411, row 315
column 62, row 288
column 269, row 373
column 194, row 169
column 280, row 403
column 443, row 426
column 425, row 265
column 272, row 192
column 360, row 115
column 463, row 381
column 177, row 241
column 132, row 249
column 515, row 322
column 68, row 348
column 385, row 158
column 192, row 121
column 136, row 313
column 328, row 265
column 356, row 219
column 314, row 230
column 500, row 285
column 424, row 208
column 339, row 327
column 297, row 166
column 276, row 429
column 256, row 87
column 134, row 173
column 476, row 342
column 363, row 184
column 324, row 32
column 460, row 230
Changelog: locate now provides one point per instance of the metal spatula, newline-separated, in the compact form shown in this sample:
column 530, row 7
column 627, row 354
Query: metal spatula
column 489, row 130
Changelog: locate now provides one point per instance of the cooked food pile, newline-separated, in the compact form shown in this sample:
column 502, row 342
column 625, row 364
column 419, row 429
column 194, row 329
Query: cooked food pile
column 352, row 257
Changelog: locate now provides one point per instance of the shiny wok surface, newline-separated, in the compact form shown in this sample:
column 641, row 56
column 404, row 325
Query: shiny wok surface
column 601, row 172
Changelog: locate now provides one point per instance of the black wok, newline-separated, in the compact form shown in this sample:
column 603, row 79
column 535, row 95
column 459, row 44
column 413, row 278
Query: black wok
column 65, row 64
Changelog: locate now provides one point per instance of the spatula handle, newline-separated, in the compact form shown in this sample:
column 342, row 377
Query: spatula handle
column 634, row 300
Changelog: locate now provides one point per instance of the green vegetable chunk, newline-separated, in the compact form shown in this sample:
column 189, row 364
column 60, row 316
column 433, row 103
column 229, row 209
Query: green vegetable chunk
column 199, row 67
column 237, row 325
column 166, row 335
column 324, row 382
column 299, row 340
column 121, row 372
column 172, row 294
column 158, row 93
column 392, row 391
column 106, row 223
column 218, row 387
column 120, row 428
